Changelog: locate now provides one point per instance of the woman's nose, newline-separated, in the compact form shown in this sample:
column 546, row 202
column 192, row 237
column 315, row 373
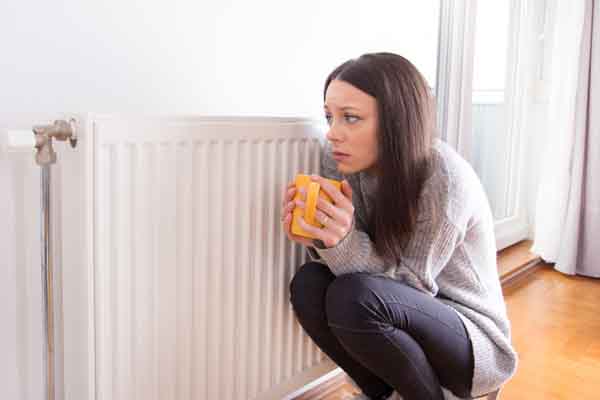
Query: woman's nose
column 333, row 134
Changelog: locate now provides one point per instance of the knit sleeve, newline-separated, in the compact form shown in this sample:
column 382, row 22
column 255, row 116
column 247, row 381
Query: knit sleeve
column 426, row 254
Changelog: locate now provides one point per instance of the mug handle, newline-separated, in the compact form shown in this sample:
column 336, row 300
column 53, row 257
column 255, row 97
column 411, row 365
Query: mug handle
column 312, row 196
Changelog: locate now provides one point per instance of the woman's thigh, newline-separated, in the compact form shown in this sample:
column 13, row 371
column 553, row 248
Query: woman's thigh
column 367, row 303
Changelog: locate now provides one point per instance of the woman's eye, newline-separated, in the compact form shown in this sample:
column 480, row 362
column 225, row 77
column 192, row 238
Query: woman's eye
column 351, row 118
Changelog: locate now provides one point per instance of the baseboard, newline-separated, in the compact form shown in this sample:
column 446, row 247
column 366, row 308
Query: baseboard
column 325, row 388
column 518, row 274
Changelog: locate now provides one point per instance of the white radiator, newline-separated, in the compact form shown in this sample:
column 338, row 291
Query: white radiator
column 191, row 267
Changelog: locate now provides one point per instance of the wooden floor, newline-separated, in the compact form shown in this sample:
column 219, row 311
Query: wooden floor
column 556, row 331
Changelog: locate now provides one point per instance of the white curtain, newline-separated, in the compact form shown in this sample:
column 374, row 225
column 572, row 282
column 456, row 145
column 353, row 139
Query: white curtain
column 568, row 201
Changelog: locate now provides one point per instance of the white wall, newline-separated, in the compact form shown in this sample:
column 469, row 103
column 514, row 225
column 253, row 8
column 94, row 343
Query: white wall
column 221, row 57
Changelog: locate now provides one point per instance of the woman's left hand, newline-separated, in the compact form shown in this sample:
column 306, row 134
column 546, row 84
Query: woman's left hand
column 336, row 217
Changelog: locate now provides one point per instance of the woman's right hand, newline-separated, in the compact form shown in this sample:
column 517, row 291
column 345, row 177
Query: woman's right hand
column 288, row 206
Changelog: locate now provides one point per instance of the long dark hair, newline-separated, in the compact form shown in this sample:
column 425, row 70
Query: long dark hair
column 405, row 135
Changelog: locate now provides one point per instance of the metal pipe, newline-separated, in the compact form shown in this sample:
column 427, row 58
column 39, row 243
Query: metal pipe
column 45, row 157
column 47, row 281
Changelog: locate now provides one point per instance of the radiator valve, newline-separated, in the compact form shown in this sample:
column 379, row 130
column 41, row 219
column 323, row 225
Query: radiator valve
column 60, row 130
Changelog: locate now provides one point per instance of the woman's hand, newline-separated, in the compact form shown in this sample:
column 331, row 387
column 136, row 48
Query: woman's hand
column 336, row 217
column 286, row 215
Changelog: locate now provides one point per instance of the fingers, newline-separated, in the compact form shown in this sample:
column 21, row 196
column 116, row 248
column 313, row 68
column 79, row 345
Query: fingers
column 313, row 230
column 288, row 193
column 330, row 235
column 287, row 224
column 333, row 215
column 288, row 206
column 287, row 210
column 339, row 215
column 288, row 203
column 336, row 195
column 287, row 227
column 347, row 190
column 331, row 229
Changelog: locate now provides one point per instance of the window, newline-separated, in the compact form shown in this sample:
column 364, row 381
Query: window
column 491, row 143
column 482, row 72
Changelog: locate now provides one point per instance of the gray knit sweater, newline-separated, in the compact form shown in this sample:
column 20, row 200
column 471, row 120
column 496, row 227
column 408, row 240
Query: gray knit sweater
column 453, row 257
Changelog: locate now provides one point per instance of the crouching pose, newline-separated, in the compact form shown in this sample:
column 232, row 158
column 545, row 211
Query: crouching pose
column 402, row 291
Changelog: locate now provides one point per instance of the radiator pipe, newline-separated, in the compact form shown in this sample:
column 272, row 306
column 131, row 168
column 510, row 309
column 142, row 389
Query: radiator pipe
column 47, row 284
column 45, row 157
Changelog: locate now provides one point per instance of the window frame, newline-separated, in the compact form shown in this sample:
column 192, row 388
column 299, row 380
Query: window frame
column 454, row 101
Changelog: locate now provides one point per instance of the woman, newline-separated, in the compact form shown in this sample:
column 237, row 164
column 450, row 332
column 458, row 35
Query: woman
column 402, row 291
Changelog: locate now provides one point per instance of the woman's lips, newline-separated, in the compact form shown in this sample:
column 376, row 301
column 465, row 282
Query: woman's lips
column 339, row 156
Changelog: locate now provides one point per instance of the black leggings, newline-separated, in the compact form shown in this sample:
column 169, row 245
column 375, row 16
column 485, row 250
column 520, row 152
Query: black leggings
column 384, row 334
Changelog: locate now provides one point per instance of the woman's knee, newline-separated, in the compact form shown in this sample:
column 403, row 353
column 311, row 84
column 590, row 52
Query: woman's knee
column 352, row 302
column 308, row 288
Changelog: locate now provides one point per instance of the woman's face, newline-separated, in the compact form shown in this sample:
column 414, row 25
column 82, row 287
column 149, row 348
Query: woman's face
column 352, row 118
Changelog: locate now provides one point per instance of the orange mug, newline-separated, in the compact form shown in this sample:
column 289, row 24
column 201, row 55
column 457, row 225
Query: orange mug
column 313, row 192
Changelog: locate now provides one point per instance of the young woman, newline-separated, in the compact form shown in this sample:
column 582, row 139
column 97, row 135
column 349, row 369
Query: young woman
column 402, row 291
